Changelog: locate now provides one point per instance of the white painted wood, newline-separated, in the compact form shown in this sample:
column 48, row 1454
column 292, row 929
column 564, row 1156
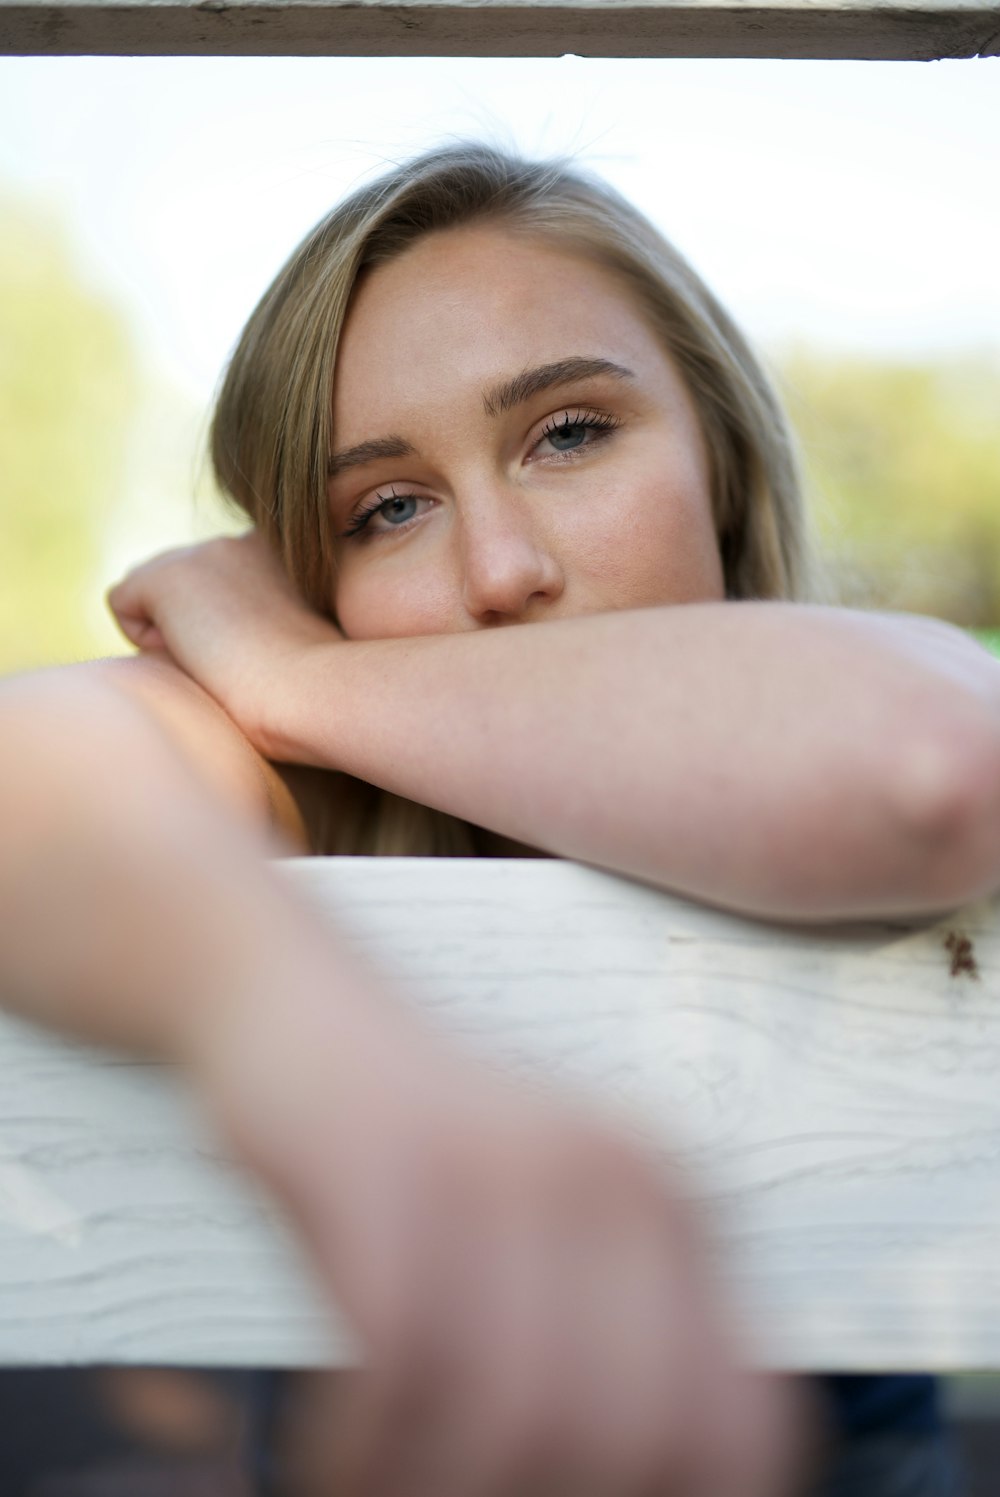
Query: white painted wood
column 495, row 28
column 835, row 1094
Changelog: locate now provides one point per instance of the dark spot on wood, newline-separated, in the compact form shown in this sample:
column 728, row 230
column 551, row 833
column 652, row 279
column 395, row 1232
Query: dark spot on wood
column 406, row 20
column 963, row 958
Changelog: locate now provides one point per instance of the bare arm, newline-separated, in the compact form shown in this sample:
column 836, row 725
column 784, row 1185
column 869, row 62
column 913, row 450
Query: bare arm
column 213, row 749
column 127, row 799
column 777, row 759
column 137, row 911
column 782, row 761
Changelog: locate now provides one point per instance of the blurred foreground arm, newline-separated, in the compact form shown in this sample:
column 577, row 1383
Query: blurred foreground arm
column 128, row 802
column 531, row 1298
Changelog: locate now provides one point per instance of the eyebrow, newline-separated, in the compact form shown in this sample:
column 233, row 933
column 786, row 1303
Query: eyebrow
column 376, row 450
column 508, row 393
column 497, row 400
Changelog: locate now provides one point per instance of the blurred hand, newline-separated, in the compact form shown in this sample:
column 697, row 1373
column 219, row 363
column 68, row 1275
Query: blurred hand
column 533, row 1300
column 227, row 614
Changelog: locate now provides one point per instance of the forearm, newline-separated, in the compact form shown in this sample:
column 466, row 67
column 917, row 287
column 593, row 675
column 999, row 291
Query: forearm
column 136, row 912
column 134, row 898
column 807, row 763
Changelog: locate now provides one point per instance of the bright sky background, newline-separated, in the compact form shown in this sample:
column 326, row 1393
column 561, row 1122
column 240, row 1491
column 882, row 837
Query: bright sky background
column 850, row 204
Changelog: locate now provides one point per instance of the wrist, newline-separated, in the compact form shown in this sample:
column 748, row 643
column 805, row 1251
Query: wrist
column 302, row 702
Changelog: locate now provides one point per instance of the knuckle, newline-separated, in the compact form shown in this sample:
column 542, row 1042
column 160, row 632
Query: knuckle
column 398, row 1352
column 528, row 1439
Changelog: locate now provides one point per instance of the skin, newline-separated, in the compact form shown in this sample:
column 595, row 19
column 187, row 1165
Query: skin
column 502, row 1385
column 522, row 515
column 864, row 778
column 519, row 516
column 479, row 1242
column 530, row 1297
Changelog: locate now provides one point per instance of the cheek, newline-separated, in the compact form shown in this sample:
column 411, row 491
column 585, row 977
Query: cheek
column 693, row 563
column 370, row 603
column 657, row 544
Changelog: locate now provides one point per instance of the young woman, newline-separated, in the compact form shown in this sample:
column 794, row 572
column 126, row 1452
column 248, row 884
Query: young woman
column 486, row 393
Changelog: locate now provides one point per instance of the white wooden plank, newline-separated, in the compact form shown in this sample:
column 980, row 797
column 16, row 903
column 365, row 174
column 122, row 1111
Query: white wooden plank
column 834, row 1093
column 497, row 28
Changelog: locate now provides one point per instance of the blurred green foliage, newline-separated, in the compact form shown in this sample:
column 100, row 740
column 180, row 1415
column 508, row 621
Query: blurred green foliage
column 99, row 457
column 98, row 463
column 67, row 373
column 903, row 464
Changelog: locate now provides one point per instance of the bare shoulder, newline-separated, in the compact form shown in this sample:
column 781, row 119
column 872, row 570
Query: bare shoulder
column 205, row 737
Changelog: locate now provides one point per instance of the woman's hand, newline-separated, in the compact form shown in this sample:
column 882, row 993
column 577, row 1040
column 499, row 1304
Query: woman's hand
column 534, row 1306
column 227, row 615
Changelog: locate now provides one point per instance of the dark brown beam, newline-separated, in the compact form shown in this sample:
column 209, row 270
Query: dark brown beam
column 444, row 28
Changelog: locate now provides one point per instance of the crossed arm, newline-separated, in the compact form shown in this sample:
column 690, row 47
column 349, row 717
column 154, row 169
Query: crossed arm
column 784, row 761
column 781, row 760
column 479, row 1239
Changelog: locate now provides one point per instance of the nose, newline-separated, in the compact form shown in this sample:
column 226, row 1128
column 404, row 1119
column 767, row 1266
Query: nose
column 510, row 572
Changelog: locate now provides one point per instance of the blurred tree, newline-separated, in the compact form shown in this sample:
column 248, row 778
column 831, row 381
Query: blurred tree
column 98, row 458
column 904, row 465
column 67, row 396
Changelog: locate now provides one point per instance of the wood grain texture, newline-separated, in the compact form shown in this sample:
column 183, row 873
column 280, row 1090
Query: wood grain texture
column 443, row 28
column 832, row 1092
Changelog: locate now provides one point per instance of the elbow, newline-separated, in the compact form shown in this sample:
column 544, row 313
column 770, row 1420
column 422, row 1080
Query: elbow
column 946, row 789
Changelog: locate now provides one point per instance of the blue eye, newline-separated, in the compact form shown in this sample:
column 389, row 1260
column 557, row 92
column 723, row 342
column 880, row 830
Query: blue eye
column 398, row 509
column 564, row 438
column 575, row 429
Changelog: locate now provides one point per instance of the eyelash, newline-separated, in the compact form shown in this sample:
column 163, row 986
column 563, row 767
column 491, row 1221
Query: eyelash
column 599, row 422
column 358, row 522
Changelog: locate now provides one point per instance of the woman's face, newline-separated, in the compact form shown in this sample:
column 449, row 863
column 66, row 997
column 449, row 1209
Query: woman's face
column 513, row 445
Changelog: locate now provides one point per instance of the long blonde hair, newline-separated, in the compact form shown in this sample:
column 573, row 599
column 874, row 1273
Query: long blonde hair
column 272, row 435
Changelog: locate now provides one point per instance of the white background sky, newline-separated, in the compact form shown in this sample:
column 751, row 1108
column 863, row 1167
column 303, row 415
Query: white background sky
column 850, row 204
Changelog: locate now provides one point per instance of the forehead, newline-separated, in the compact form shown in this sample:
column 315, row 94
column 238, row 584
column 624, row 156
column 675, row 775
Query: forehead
column 464, row 306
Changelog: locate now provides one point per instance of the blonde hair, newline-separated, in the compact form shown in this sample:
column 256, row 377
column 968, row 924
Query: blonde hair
column 272, row 436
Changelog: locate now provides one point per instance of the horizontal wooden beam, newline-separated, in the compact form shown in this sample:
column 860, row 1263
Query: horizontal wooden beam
column 448, row 28
column 834, row 1094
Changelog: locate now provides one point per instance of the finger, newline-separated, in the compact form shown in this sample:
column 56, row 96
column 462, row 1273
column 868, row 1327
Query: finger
column 643, row 1334
column 635, row 1319
column 358, row 1433
column 479, row 1426
column 508, row 1409
column 773, row 1441
column 140, row 631
column 393, row 1433
column 743, row 1442
column 131, row 615
column 566, row 1353
column 128, row 598
column 435, row 1438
